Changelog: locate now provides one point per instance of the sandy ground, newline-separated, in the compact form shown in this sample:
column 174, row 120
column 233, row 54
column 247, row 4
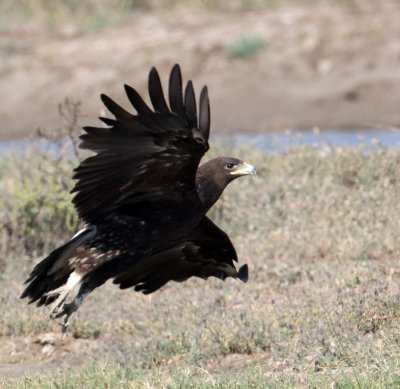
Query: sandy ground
column 331, row 66
column 46, row 351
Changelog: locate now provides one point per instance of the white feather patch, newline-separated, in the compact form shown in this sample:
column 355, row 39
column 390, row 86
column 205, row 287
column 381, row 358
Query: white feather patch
column 73, row 280
column 63, row 291
column 87, row 228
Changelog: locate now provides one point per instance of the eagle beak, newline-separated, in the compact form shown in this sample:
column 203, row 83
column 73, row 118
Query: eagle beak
column 244, row 169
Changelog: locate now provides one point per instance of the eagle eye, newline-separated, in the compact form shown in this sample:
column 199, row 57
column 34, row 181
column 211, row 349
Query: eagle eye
column 229, row 165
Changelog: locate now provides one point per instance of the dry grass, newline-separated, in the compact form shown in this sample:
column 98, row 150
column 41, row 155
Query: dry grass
column 319, row 229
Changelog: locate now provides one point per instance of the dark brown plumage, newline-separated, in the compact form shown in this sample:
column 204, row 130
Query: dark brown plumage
column 144, row 199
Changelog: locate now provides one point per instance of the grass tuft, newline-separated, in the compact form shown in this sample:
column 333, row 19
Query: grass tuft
column 246, row 47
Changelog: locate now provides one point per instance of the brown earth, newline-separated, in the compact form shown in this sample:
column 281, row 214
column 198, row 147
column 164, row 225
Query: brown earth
column 33, row 354
column 334, row 65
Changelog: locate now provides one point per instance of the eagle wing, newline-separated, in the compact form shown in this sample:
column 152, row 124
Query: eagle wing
column 145, row 157
column 207, row 251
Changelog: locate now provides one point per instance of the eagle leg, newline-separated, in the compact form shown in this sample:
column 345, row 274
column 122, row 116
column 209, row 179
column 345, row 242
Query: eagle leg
column 68, row 309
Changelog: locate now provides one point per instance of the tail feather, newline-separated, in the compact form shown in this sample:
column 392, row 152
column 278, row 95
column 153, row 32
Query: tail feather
column 49, row 275
column 40, row 283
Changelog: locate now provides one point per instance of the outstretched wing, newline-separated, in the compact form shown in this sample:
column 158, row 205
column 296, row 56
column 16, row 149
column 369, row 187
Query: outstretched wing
column 146, row 157
column 206, row 252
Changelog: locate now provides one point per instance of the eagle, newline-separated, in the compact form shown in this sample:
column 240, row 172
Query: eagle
column 143, row 197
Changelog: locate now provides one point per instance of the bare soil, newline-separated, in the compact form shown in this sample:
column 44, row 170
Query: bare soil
column 34, row 354
column 331, row 65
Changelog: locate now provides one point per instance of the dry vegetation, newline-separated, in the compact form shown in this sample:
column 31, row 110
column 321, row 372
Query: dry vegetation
column 319, row 227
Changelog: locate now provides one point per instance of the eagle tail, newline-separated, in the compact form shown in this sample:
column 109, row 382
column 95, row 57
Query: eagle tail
column 52, row 279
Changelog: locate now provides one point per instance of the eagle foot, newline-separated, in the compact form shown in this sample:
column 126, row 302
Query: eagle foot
column 68, row 310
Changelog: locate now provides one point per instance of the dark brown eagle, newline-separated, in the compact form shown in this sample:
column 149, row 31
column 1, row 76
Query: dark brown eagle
column 144, row 198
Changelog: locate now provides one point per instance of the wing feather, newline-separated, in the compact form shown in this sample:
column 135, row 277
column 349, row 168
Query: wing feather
column 145, row 157
column 136, row 100
column 114, row 108
column 190, row 105
column 207, row 251
column 175, row 91
column 204, row 120
column 108, row 121
column 156, row 92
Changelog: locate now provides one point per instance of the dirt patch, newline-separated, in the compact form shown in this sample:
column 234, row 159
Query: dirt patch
column 332, row 66
column 34, row 354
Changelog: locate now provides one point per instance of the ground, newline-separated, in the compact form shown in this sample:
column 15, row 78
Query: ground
column 329, row 64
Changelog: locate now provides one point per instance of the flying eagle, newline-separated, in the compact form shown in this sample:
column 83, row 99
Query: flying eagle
column 144, row 199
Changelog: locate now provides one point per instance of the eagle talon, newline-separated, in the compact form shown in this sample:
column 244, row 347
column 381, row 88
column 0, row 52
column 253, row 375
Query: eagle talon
column 68, row 310
column 64, row 327
column 55, row 312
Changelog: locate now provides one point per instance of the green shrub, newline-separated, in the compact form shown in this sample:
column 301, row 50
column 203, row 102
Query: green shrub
column 246, row 47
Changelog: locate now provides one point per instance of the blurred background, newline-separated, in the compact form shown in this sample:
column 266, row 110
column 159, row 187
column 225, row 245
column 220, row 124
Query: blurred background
column 269, row 64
